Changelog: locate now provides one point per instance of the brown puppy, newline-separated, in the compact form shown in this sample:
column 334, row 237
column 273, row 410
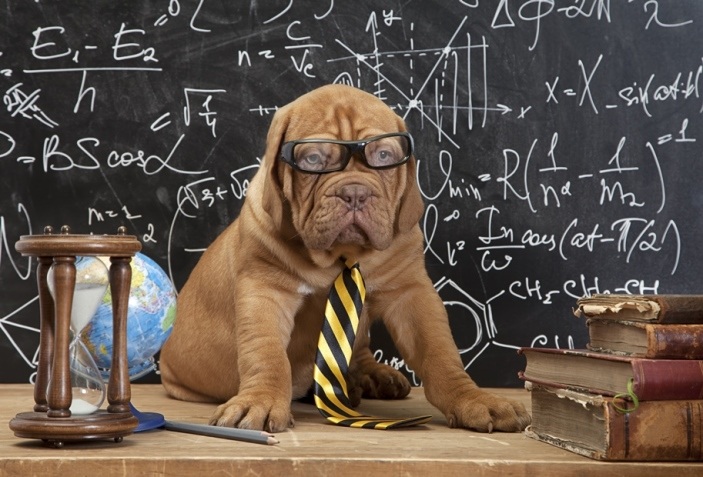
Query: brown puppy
column 251, row 311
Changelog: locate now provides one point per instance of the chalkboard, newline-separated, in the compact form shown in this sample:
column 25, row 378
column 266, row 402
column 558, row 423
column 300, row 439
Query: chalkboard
column 559, row 143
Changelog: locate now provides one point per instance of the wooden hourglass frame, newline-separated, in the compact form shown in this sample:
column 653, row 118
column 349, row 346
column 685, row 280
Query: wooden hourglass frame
column 51, row 420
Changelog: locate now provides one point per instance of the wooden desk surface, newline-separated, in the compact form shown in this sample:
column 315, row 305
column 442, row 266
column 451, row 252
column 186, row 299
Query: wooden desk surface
column 313, row 447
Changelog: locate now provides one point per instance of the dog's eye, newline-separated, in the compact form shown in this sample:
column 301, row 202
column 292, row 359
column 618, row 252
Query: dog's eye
column 311, row 157
column 312, row 161
column 319, row 156
column 383, row 154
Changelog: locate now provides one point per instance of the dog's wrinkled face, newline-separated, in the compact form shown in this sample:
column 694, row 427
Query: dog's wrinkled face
column 355, row 206
column 358, row 206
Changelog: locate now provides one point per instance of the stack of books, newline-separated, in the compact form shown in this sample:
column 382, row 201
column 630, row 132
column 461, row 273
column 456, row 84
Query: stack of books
column 636, row 393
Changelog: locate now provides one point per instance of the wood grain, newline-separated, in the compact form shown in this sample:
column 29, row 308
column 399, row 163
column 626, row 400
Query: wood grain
column 312, row 447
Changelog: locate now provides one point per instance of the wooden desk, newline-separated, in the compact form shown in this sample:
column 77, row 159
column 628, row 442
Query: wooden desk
column 313, row 447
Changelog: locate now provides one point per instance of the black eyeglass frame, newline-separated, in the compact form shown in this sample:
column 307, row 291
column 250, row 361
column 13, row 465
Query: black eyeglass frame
column 352, row 147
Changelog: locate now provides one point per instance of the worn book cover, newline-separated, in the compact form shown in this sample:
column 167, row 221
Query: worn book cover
column 646, row 340
column 649, row 308
column 610, row 375
column 591, row 425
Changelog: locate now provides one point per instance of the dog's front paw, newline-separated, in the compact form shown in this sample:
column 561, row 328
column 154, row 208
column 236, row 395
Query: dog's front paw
column 486, row 412
column 377, row 381
column 254, row 411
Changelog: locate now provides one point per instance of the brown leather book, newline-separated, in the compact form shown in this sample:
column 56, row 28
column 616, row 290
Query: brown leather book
column 590, row 425
column 608, row 374
column 646, row 340
column 683, row 309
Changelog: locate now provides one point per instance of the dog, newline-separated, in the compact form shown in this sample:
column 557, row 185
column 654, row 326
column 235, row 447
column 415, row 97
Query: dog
column 250, row 313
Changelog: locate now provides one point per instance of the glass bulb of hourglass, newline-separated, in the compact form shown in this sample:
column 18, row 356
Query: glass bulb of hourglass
column 87, row 385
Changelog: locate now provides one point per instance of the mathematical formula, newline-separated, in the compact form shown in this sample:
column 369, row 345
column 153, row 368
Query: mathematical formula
column 556, row 159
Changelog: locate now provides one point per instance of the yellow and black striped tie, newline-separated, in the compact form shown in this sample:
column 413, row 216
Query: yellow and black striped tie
column 334, row 351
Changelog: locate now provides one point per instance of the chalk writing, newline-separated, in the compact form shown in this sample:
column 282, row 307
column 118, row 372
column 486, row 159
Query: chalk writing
column 25, row 105
column 554, row 158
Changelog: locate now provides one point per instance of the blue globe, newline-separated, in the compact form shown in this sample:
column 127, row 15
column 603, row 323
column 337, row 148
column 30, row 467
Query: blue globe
column 150, row 316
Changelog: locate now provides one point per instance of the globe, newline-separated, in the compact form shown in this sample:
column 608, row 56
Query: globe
column 150, row 316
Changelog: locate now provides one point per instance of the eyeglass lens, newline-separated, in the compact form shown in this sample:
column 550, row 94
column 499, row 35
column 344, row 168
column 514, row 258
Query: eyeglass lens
column 328, row 156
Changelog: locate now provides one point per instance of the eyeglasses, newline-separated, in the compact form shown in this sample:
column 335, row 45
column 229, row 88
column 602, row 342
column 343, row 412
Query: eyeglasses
column 320, row 156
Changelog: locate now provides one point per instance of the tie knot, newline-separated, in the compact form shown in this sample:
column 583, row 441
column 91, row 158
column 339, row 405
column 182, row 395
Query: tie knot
column 350, row 263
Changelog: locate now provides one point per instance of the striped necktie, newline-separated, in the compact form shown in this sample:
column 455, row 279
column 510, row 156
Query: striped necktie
column 334, row 351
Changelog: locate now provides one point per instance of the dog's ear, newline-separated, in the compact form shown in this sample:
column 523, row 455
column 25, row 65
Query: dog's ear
column 411, row 204
column 273, row 198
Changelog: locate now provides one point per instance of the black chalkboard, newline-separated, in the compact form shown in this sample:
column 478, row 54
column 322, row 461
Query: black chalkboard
column 559, row 142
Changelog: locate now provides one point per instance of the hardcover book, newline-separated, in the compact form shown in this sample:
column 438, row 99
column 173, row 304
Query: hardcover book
column 590, row 425
column 648, row 308
column 646, row 340
column 610, row 375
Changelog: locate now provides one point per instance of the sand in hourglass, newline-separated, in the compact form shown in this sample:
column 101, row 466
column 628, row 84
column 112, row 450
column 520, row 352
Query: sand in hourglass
column 86, row 300
column 81, row 407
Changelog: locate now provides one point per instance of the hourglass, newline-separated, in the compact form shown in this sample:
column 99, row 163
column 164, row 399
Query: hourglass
column 68, row 390
column 87, row 385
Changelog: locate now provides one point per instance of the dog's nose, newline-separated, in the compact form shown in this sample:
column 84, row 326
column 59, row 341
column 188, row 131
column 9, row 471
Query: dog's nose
column 354, row 195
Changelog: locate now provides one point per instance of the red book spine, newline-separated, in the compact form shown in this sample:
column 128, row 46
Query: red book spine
column 655, row 379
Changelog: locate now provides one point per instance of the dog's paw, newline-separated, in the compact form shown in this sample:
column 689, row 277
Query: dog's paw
column 259, row 412
column 379, row 381
column 487, row 412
